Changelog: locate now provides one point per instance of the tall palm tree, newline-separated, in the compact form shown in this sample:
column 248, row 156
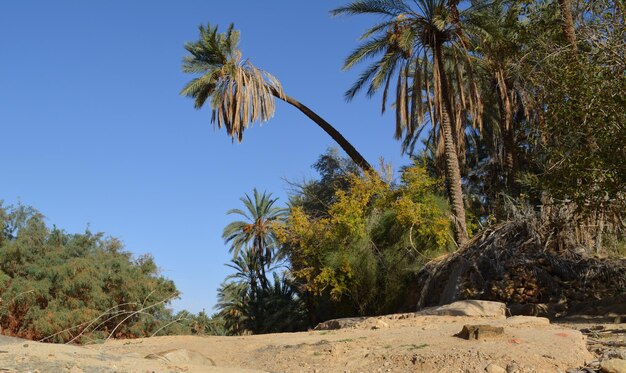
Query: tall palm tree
column 414, row 43
column 240, row 92
column 495, row 31
column 256, row 231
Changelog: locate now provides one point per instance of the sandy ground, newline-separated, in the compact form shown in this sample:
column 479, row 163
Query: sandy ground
column 395, row 343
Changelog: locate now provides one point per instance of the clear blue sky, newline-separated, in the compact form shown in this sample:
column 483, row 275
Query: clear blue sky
column 94, row 131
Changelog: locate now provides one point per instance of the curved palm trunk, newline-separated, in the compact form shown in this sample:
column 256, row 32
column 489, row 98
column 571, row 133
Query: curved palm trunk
column 453, row 173
column 568, row 22
column 329, row 129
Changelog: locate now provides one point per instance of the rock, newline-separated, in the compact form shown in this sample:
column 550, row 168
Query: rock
column 480, row 308
column 595, row 364
column 380, row 325
column 512, row 368
column 479, row 332
column 76, row 369
column 613, row 366
column 353, row 323
column 493, row 368
column 349, row 322
column 182, row 356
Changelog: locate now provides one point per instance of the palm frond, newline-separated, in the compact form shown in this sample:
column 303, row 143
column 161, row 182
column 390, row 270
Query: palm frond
column 384, row 7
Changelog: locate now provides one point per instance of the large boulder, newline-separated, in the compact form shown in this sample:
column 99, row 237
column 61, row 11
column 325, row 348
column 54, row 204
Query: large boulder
column 613, row 366
column 472, row 308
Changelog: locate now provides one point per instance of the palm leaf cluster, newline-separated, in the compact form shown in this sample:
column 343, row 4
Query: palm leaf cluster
column 257, row 229
column 240, row 92
column 247, row 309
column 404, row 52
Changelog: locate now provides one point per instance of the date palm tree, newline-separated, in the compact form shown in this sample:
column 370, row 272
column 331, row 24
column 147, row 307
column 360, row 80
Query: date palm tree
column 495, row 32
column 240, row 92
column 256, row 231
column 418, row 43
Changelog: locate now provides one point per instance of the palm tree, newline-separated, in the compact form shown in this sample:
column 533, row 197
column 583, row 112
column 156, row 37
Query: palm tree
column 414, row 43
column 240, row 92
column 246, row 307
column 232, row 301
column 256, row 231
column 495, row 32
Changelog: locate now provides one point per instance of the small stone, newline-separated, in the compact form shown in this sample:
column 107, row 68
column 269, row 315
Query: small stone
column 594, row 364
column 479, row 332
column 493, row 368
column 613, row 366
column 512, row 368
column 380, row 325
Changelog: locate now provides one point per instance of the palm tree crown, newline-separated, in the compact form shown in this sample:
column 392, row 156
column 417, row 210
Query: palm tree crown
column 408, row 45
column 258, row 227
column 240, row 92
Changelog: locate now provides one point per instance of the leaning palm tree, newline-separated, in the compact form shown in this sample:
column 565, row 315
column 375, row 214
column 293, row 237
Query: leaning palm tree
column 256, row 231
column 240, row 92
column 418, row 42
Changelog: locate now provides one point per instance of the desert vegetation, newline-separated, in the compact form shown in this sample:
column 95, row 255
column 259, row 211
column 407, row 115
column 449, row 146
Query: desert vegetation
column 512, row 113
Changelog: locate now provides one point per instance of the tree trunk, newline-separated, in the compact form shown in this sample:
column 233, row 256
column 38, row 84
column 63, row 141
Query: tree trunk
column 568, row 22
column 330, row 130
column 599, row 230
column 508, row 134
column 510, row 156
column 453, row 173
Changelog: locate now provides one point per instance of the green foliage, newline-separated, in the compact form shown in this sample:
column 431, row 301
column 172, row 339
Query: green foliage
column 583, row 158
column 245, row 307
column 75, row 287
column 359, row 256
column 314, row 196
column 257, row 229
